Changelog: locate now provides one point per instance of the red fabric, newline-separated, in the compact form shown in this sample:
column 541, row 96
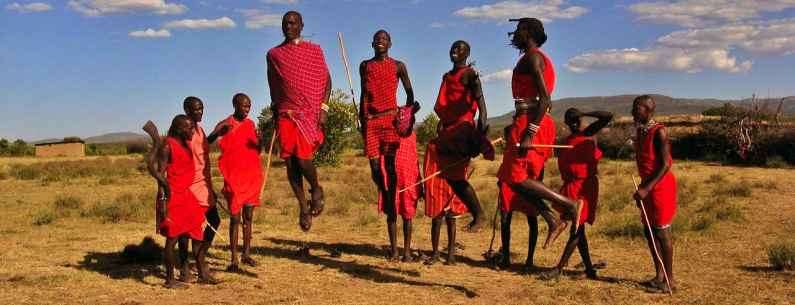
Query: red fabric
column 298, row 84
column 578, row 169
column 661, row 201
column 292, row 143
column 454, row 102
column 408, row 173
column 523, row 85
column 184, row 215
column 516, row 168
column 439, row 196
column 457, row 142
column 200, row 151
column 380, row 137
column 381, row 84
column 240, row 165
column 404, row 120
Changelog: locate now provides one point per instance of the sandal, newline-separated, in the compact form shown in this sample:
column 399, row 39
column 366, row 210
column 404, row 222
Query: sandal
column 305, row 220
column 317, row 202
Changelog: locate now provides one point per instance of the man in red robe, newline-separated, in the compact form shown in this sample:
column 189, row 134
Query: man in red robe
column 379, row 81
column 657, row 189
column 184, row 216
column 300, row 86
column 242, row 170
column 578, row 169
column 532, row 84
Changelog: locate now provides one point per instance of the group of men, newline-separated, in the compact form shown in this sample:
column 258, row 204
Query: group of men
column 300, row 85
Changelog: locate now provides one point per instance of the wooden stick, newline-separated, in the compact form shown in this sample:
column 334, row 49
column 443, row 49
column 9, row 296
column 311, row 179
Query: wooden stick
column 429, row 177
column 651, row 236
column 350, row 79
column 549, row 146
column 268, row 163
column 216, row 232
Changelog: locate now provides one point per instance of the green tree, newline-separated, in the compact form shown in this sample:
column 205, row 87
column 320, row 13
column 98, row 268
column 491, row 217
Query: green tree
column 426, row 131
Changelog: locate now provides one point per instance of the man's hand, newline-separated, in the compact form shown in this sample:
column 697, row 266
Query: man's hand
column 526, row 144
column 641, row 193
column 221, row 129
column 322, row 119
column 576, row 114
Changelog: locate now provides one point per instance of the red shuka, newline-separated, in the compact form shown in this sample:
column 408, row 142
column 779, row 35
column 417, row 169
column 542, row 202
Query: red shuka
column 240, row 165
column 439, row 196
column 578, row 169
column 184, row 215
column 408, row 173
column 380, row 136
column 454, row 102
column 661, row 202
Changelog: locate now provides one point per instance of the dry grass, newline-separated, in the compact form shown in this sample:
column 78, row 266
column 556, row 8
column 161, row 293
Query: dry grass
column 65, row 240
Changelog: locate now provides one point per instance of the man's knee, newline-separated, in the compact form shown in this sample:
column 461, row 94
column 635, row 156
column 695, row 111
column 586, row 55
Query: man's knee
column 391, row 217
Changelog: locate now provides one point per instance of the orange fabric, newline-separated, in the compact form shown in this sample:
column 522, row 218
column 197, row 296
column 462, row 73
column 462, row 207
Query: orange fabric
column 439, row 196
column 184, row 215
column 661, row 201
column 292, row 142
column 578, row 168
column 200, row 150
column 240, row 165
column 454, row 103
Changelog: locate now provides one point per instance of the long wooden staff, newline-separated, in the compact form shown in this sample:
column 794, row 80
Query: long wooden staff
column 429, row 177
column 157, row 142
column 268, row 163
column 549, row 146
column 651, row 237
column 350, row 79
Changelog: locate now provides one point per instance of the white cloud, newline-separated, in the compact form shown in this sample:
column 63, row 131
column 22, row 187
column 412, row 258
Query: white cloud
column 280, row 1
column 257, row 19
column 763, row 37
column 698, row 13
column 438, row 25
column 658, row 59
column 33, row 7
column 499, row 76
column 545, row 10
column 199, row 24
column 107, row 7
column 150, row 33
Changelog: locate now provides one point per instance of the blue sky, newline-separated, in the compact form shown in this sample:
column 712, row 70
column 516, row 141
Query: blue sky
column 87, row 67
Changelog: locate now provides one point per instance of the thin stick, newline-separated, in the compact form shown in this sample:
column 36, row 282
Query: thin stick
column 651, row 236
column 494, row 223
column 216, row 232
column 549, row 146
column 268, row 163
column 429, row 177
column 350, row 79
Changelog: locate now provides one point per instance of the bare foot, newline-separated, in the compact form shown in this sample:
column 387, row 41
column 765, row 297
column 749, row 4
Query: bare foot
column 408, row 257
column 234, row 268
column 248, row 261
column 476, row 225
column 317, row 202
column 451, row 260
column 172, row 284
column 305, row 221
column 209, row 280
column 185, row 275
column 554, row 233
column 432, row 261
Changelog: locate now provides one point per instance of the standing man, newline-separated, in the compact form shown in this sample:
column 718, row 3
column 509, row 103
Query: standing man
column 300, row 86
column 379, row 80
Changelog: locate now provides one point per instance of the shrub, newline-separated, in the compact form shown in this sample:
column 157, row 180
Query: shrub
column 702, row 223
column 25, row 172
column 739, row 189
column 62, row 170
column 126, row 207
column 782, row 255
column 716, row 178
column 426, row 131
column 45, row 218
column 67, row 203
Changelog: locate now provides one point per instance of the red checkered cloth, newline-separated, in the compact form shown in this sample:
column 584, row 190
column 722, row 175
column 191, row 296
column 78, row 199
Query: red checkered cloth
column 299, row 83
column 404, row 119
column 381, row 86
column 408, row 173
column 439, row 196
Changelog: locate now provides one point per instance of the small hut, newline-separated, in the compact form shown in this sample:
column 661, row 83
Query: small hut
column 69, row 147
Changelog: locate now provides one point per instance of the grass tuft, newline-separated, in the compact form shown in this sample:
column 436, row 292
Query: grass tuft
column 782, row 255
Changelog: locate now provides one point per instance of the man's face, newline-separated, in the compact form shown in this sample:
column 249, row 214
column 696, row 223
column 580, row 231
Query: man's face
column 641, row 111
column 520, row 36
column 185, row 128
column 573, row 122
column 242, row 107
column 459, row 52
column 195, row 111
column 381, row 42
column 292, row 25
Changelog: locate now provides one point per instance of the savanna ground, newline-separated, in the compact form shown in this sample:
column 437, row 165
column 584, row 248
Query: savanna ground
column 66, row 223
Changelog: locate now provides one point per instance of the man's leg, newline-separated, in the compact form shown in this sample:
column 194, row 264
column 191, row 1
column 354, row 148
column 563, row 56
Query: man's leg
column 451, row 248
column 467, row 194
column 248, row 224
column 532, row 240
column 234, row 225
column 505, row 237
column 168, row 261
column 533, row 191
column 309, row 171
column 407, row 228
column 436, row 226
column 184, row 263
column 665, row 242
column 590, row 272
column 297, row 184
column 200, row 252
column 214, row 221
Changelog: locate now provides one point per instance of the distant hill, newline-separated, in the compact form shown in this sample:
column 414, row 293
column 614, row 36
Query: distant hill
column 117, row 137
column 621, row 105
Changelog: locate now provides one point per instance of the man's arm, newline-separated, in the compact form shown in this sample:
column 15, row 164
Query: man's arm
column 208, row 178
column 163, row 157
column 403, row 75
column 219, row 131
column 323, row 116
column 662, row 155
column 537, row 73
column 472, row 82
column 603, row 118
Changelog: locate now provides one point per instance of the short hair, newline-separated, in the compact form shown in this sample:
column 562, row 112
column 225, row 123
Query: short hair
column 190, row 100
column 643, row 98
column 239, row 97
column 535, row 28
column 297, row 14
column 569, row 112
column 172, row 130
column 385, row 33
column 469, row 48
